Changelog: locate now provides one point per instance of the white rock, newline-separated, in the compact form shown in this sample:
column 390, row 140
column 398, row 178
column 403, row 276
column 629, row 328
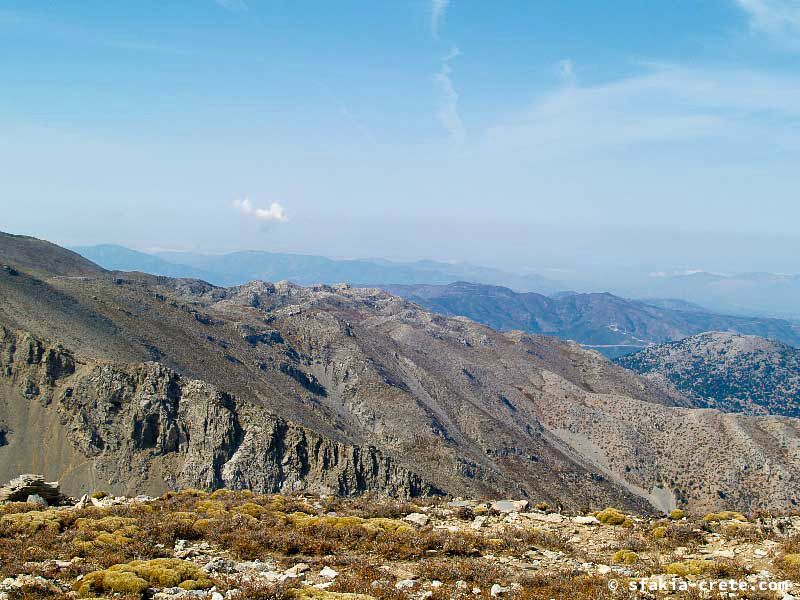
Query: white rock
column 476, row 591
column 478, row 522
column 405, row 584
column 724, row 553
column 328, row 573
column 323, row 586
column 509, row 506
column 545, row 518
column 497, row 590
column 588, row 520
column 603, row 569
column 217, row 596
column 297, row 569
column 417, row 519
column 459, row 503
column 436, row 584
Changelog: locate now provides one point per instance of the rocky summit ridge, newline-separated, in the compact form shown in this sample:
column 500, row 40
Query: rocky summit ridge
column 141, row 384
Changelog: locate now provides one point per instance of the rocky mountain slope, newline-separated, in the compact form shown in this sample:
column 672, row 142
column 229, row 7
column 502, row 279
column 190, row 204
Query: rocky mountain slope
column 141, row 383
column 609, row 324
column 733, row 373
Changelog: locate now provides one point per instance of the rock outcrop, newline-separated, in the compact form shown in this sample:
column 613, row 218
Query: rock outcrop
column 144, row 426
column 23, row 487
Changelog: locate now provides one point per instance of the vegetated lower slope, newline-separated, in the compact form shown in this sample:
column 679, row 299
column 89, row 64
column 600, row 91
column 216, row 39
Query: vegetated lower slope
column 733, row 373
column 609, row 324
column 140, row 382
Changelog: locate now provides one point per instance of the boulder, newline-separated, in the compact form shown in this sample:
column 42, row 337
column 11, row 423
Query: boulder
column 479, row 521
column 328, row 573
column 417, row 519
column 509, row 506
column 20, row 488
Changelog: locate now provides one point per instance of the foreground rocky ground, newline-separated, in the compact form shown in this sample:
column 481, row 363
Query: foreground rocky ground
column 237, row 545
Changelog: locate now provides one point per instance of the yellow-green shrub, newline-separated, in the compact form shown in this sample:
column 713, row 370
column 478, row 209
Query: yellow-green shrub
column 790, row 561
column 611, row 516
column 31, row 522
column 625, row 557
column 690, row 567
column 111, row 531
column 136, row 576
column 677, row 514
column 725, row 515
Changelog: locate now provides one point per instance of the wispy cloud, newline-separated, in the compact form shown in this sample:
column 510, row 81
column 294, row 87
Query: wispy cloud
column 232, row 5
column 448, row 100
column 665, row 104
column 778, row 19
column 363, row 130
column 438, row 11
column 275, row 212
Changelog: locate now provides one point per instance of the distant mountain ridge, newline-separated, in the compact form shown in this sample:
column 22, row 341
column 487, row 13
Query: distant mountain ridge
column 733, row 373
column 610, row 324
column 237, row 268
column 772, row 294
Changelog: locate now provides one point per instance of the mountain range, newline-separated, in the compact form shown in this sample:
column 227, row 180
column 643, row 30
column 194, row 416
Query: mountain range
column 139, row 383
column 612, row 325
column 766, row 294
column 733, row 373
column 236, row 268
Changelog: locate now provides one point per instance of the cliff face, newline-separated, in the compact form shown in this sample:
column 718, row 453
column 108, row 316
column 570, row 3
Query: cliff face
column 143, row 427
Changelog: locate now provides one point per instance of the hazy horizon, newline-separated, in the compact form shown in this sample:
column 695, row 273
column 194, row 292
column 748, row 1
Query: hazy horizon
column 556, row 137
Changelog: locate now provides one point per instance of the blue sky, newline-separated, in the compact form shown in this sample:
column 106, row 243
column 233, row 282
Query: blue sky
column 520, row 134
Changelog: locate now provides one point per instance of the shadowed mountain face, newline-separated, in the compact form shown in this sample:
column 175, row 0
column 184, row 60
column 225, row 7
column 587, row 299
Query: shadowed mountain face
column 611, row 325
column 140, row 383
column 733, row 373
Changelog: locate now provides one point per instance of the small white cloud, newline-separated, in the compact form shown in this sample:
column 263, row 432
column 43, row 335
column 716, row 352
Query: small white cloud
column 778, row 19
column 438, row 10
column 448, row 101
column 275, row 212
column 233, row 5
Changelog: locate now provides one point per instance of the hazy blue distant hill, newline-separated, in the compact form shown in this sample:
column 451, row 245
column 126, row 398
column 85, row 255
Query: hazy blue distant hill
column 240, row 267
column 768, row 294
column 612, row 325
column 120, row 258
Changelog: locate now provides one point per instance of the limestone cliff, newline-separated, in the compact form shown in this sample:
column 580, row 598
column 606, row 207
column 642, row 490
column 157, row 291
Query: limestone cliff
column 143, row 427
